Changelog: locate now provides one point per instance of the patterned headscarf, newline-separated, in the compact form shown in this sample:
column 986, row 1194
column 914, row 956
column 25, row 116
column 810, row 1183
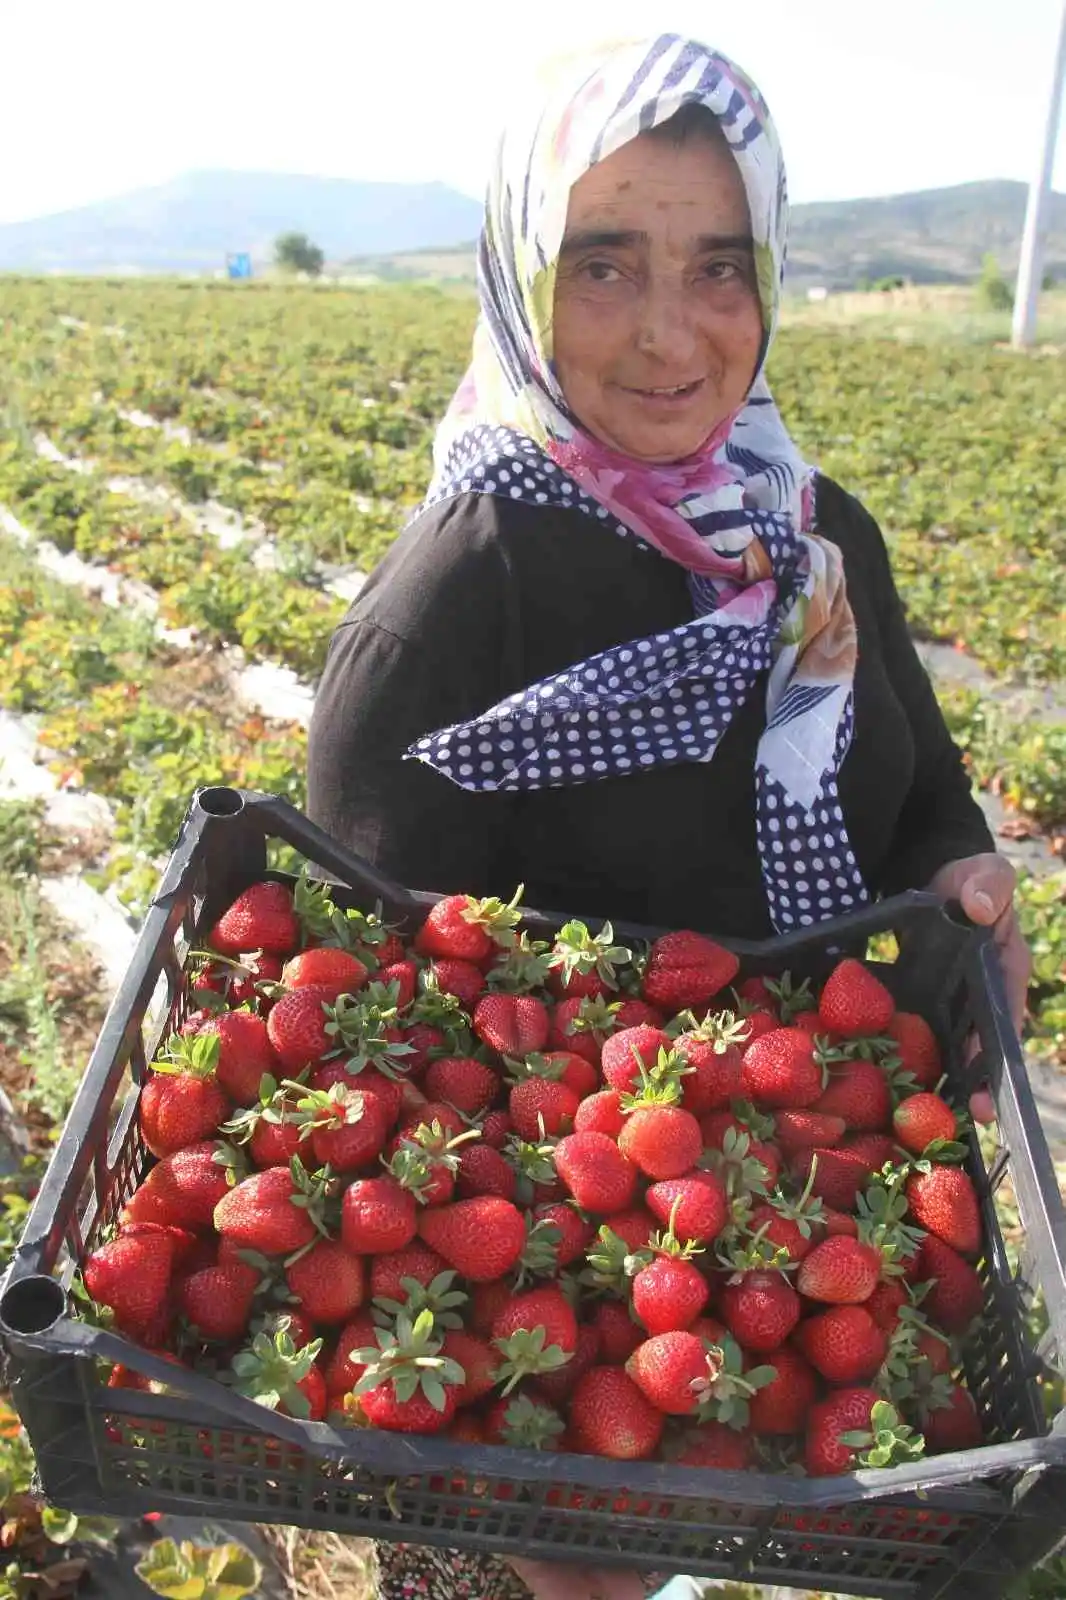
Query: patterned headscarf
column 768, row 593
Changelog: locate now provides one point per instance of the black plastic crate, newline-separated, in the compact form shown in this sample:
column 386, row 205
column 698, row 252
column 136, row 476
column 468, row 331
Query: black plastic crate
column 955, row 1525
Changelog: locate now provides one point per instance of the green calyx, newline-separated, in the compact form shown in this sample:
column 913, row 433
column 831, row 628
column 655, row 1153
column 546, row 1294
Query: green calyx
column 439, row 1298
column 361, row 1029
column 722, row 1030
column 422, row 1153
column 527, row 1353
column 270, row 1370
column 611, row 1263
column 498, row 919
column 409, row 1357
column 524, row 968
column 578, row 951
column 791, row 997
column 312, row 1190
column 533, row 1162
column 659, row 1085
column 193, row 1055
column 438, row 1009
column 276, row 1104
column 889, row 1442
column 535, row 1065
column 881, row 1208
column 724, row 1394
column 322, row 921
column 742, row 1173
column 666, row 1242
column 594, row 1015
column 338, row 1106
column 530, row 1426
column 755, row 1253
column 231, row 1160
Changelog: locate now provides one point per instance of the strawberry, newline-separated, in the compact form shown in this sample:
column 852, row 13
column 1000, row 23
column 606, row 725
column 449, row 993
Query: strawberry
column 634, row 1226
column 633, row 1050
column 780, row 1231
column 347, row 1127
column 368, row 1079
column 713, row 1052
column 297, row 1027
column 600, row 1113
column 886, row 1303
column 957, row 1295
column 378, row 1215
column 575, row 1234
column 921, row 1120
column 185, row 1187
column 261, row 918
column 556, row 1387
column 467, row 929
column 426, row 1161
column 131, row 1275
column 325, row 967
column 847, row 1411
column 524, row 1423
column 844, row 1344
column 537, row 1103
column 534, row 1333
column 944, row 1201
column 803, row 1130
column 421, row 1038
column 670, row 1292
column 835, row 1222
column 663, row 1140
column 217, row 1300
column 673, row 1371
column 743, row 1162
column 269, row 1127
column 496, row 1128
column 859, row 1092
column 717, row 1445
column 328, row 1282
column 781, row 1406
column 685, row 970
column 840, row 1271
column 573, row 1070
column 779, row 1069
column 619, row 1334
column 343, row 1371
column 612, row 1418
column 854, row 1003
column 485, row 1301
column 512, row 1024
column 917, row 1049
column 760, row 1309
column 631, row 1012
column 757, row 992
column 571, row 1027
column 245, row 1054
column 415, row 1261
column 191, row 1251
column 460, row 1081
column 479, row 1361
column 595, row 1171
column 409, row 1385
column 481, row 1238
column 838, row 1175
column 459, row 978
column 433, row 1111
column 483, row 1170
column 182, row 1103
column 582, row 965
column 284, row 1319
column 953, row 1423
column 417, row 1414
column 696, row 1206
column 272, row 1211
column 872, row 1148
column 400, row 981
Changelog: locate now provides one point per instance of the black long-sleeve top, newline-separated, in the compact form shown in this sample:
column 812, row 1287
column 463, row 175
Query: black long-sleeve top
column 480, row 597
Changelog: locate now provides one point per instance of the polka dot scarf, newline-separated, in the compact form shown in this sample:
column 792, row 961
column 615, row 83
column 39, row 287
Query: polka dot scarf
column 769, row 600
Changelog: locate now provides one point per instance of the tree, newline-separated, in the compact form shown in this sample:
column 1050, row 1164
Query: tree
column 296, row 252
column 993, row 291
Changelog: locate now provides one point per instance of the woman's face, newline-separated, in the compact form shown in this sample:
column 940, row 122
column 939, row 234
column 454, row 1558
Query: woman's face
column 657, row 321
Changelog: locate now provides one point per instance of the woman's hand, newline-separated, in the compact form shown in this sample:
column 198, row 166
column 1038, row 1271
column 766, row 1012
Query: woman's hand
column 547, row 1581
column 984, row 886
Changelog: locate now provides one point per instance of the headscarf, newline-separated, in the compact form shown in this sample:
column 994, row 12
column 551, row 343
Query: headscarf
column 768, row 592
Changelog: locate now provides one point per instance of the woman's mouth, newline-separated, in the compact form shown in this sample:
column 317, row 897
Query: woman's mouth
column 666, row 396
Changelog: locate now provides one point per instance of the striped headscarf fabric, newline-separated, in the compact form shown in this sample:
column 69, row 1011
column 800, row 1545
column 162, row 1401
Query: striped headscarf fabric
column 769, row 598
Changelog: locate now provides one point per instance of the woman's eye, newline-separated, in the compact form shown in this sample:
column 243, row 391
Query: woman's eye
column 722, row 271
column 600, row 271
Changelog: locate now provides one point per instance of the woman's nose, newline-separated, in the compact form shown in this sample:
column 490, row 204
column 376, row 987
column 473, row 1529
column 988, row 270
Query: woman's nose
column 666, row 327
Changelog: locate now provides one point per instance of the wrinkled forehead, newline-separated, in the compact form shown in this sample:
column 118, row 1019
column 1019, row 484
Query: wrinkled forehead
column 590, row 106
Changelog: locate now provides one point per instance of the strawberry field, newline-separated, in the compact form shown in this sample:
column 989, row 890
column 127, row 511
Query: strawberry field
column 195, row 476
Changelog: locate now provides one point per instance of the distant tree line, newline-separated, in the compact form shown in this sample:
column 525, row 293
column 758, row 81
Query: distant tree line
column 294, row 252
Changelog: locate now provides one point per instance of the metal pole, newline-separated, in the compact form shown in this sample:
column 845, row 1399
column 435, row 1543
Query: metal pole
column 1030, row 266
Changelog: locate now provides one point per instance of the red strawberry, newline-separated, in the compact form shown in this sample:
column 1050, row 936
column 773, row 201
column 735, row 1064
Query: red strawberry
column 873, row 1148
column 844, row 1344
column 854, row 1003
column 685, row 970
column 365, row 1078
column 557, row 1386
column 760, row 1309
column 284, row 1319
column 835, row 1222
column 534, row 1333
column 460, row 1081
column 624, row 1053
column 956, row 1296
column 328, row 1282
column 460, row 978
column 573, row 1070
column 480, row 1363
column 537, row 1101
column 420, row 1038
column 618, row 1332
column 325, row 967
column 781, row 1407
column 567, row 1032
column 348, row 1126
column 840, row 1271
column 181, row 1108
column 954, row 1425
column 378, row 1215
column 131, row 1274
column 838, row 1177
column 262, row 1213
column 486, row 1301
column 417, row 1414
column 886, row 1303
column 297, row 1027
column 944, row 1201
column 781, row 1230
column 424, row 1116
column 718, row 1446
column 612, row 1418
column 673, row 1371
column 342, row 1371
column 415, row 1260
column 483, row 1170
column 583, row 965
column 669, row 1293
column 496, row 1129
column 846, row 1411
column 702, row 1206
column 512, row 1024
column 273, row 1144
column 779, row 1069
column 245, row 1054
column 185, row 1187
column 481, row 1238
column 919, row 1053
column 757, row 992
column 858, row 1091
column 921, row 1119
column 803, row 1130
column 600, row 1113
column 713, row 1051
column 631, row 1012
column 935, row 1350
column 596, row 1172
column 217, row 1300
column 261, row 918
column 575, row 1234
column 468, row 929
column 664, row 1141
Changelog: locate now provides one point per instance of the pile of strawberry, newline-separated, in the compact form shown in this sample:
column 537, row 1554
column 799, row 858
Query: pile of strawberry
column 559, row 1195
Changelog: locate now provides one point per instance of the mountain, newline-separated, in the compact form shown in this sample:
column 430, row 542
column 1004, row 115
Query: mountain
column 190, row 223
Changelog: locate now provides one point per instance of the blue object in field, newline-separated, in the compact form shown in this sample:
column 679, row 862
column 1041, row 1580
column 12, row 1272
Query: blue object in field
column 240, row 265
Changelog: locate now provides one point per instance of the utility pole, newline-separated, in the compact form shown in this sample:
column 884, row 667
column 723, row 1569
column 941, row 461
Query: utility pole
column 1030, row 266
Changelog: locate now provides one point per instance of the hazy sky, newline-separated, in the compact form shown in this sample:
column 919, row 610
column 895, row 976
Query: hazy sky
column 101, row 96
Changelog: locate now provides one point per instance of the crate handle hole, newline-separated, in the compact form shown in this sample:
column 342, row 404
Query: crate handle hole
column 219, row 801
column 32, row 1304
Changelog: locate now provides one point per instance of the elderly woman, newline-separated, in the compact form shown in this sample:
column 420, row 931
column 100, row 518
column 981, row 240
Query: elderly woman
column 633, row 650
